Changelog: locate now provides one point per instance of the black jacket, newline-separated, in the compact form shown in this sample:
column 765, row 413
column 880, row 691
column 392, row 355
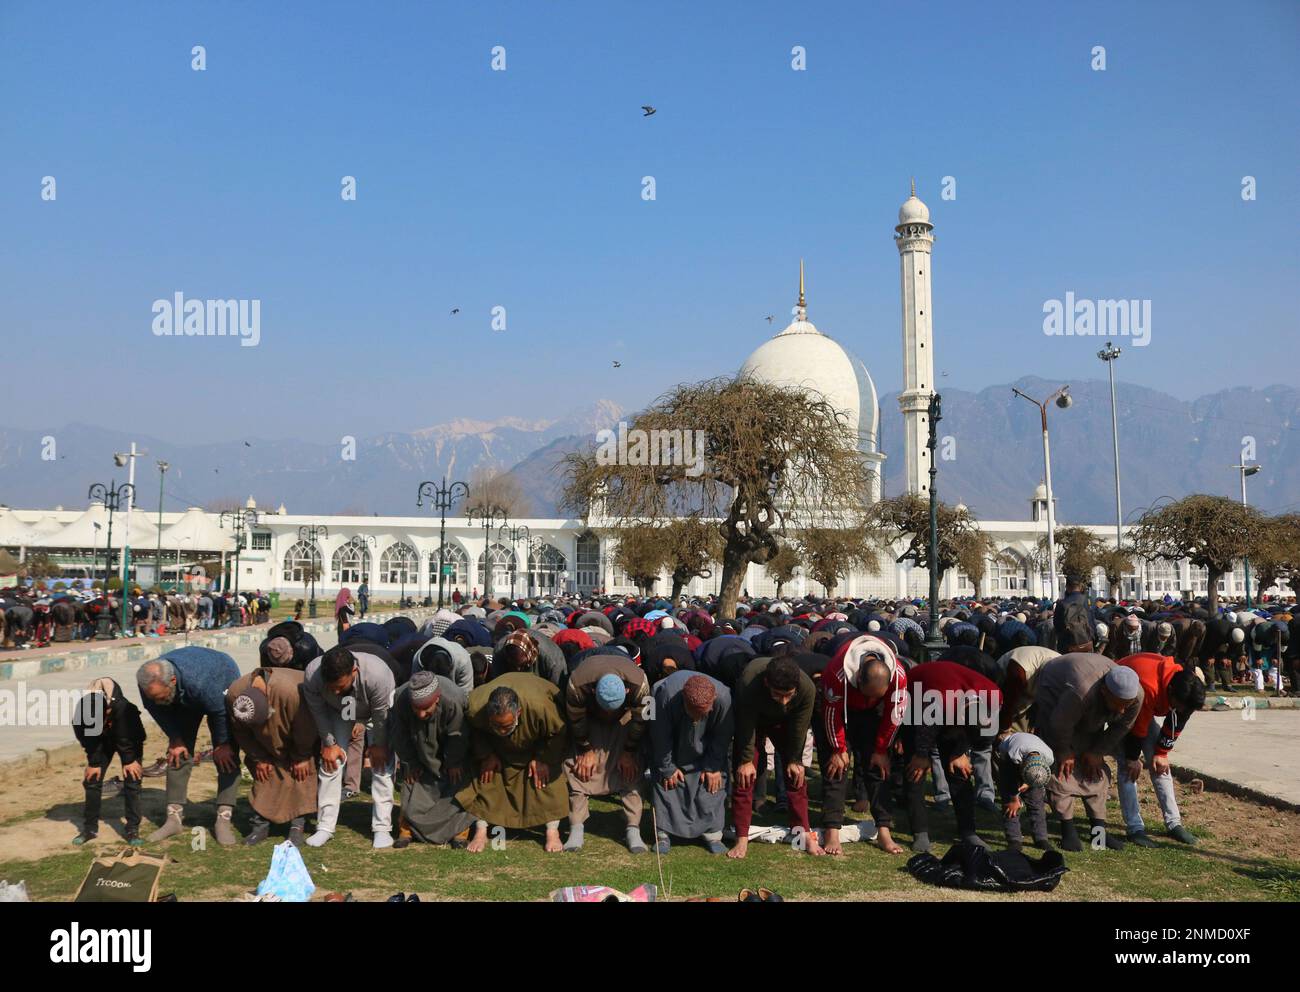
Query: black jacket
column 124, row 735
column 1072, row 622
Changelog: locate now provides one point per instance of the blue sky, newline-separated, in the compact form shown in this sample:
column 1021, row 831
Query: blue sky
column 522, row 189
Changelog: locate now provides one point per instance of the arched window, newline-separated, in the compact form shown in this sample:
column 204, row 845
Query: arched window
column 350, row 563
column 1162, row 577
column 545, row 571
column 1010, row 573
column 399, row 565
column 456, row 557
column 588, row 564
column 301, row 562
column 503, row 564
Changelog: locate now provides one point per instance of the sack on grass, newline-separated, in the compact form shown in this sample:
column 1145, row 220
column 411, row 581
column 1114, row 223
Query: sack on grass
column 131, row 876
column 288, row 880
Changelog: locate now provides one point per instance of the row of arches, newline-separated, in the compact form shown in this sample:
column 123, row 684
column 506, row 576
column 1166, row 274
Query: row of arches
column 399, row 564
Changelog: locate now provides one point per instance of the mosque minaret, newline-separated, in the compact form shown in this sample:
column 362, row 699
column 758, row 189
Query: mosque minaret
column 915, row 240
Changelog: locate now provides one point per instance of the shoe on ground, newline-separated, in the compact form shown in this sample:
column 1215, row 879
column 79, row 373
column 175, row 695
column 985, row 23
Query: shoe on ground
column 715, row 847
column 399, row 897
column 1044, row 843
column 83, row 838
column 1142, row 839
column 1182, row 835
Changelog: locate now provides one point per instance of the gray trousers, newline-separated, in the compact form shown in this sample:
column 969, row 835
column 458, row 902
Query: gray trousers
column 982, row 765
column 329, row 793
column 1164, row 786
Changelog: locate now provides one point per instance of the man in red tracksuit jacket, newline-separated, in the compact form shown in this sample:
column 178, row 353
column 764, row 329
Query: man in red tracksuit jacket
column 956, row 709
column 1174, row 692
column 861, row 702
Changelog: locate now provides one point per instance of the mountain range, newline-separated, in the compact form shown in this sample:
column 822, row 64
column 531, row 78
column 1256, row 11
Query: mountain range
column 990, row 456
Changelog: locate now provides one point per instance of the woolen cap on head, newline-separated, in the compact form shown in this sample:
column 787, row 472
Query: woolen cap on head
column 1035, row 771
column 251, row 706
column 1123, row 682
column 423, row 687
column 699, row 692
column 279, row 650
column 610, row 691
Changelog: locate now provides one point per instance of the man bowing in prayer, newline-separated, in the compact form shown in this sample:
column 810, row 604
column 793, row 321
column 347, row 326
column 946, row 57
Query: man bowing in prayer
column 426, row 727
column 271, row 724
column 689, row 738
column 605, row 701
column 518, row 739
column 775, row 698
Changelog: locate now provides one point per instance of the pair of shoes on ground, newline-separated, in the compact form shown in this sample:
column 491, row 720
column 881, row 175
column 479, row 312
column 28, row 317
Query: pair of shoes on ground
column 758, row 895
column 665, row 845
column 403, row 897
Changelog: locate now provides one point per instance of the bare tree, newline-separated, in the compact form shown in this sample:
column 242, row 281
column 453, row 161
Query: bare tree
column 771, row 458
column 1212, row 532
column 1116, row 563
column 640, row 553
column 781, row 567
column 833, row 552
column 491, row 489
column 906, row 520
column 1276, row 556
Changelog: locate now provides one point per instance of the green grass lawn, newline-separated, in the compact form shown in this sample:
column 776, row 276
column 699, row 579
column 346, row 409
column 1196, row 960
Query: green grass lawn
column 523, row 871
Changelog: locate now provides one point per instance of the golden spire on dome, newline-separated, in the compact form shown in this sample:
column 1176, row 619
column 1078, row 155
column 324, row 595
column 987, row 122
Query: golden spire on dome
column 801, row 300
column 914, row 185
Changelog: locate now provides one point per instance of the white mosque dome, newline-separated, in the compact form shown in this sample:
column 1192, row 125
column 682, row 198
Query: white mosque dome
column 803, row 357
column 913, row 211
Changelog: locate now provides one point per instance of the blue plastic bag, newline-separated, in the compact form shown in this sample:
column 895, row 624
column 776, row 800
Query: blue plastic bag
column 288, row 878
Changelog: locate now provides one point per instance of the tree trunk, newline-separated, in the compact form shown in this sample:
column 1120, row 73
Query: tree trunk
column 1213, row 590
column 677, row 590
column 779, row 587
column 733, row 577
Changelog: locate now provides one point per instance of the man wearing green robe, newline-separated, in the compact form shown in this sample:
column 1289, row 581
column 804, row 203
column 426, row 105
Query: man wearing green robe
column 426, row 727
column 518, row 742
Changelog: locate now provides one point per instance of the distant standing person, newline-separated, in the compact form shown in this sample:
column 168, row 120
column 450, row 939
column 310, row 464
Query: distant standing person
column 343, row 611
column 363, row 598
column 456, row 598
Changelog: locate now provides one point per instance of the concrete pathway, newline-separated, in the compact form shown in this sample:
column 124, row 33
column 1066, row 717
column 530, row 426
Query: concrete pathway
column 1258, row 751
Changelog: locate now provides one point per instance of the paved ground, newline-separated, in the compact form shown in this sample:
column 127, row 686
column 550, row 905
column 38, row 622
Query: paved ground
column 1259, row 753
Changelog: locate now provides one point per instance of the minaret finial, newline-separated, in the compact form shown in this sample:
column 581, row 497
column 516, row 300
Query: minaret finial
column 801, row 299
column 914, row 185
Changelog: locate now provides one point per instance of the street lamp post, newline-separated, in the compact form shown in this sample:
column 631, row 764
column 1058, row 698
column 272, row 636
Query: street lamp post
column 162, row 474
column 127, row 459
column 240, row 520
column 1063, row 399
column 308, row 535
column 372, row 541
column 933, row 640
column 443, row 497
column 515, row 535
column 491, row 515
column 1108, row 355
column 1246, row 470
column 111, row 497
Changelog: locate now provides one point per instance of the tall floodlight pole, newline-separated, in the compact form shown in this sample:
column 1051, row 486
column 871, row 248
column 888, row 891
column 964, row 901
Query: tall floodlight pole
column 492, row 516
column 1108, row 355
column 308, row 535
column 162, row 474
column 444, row 497
column 1246, row 470
column 1063, row 400
column 933, row 640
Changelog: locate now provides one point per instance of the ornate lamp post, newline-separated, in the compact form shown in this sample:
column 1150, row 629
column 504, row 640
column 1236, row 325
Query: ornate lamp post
column 309, row 535
column 491, row 516
column 514, row 535
column 933, row 641
column 372, row 541
column 240, row 520
column 112, row 497
column 443, row 497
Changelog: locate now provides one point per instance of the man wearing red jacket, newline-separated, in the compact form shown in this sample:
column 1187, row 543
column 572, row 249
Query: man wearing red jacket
column 1173, row 692
column 861, row 702
column 956, row 709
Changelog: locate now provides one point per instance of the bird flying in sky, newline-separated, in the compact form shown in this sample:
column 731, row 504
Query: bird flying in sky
column 648, row 110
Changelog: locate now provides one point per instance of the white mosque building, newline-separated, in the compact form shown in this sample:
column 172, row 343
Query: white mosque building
column 401, row 555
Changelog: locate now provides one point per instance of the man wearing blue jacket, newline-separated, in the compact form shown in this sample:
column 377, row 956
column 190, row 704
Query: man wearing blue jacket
column 179, row 689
